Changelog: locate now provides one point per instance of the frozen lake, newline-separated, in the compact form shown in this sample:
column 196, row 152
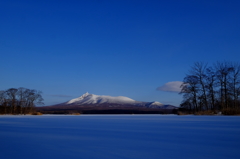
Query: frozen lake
column 120, row 137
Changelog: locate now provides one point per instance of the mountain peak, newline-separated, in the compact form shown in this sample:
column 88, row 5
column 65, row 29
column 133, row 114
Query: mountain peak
column 84, row 95
column 156, row 103
column 79, row 98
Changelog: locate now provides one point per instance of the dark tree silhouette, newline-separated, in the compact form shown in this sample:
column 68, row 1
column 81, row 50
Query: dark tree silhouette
column 19, row 101
column 212, row 88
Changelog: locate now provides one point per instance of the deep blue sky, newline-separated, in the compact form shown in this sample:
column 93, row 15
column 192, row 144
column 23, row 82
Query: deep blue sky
column 128, row 48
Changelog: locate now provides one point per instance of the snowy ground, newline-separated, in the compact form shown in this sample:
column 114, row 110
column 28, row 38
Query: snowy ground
column 120, row 137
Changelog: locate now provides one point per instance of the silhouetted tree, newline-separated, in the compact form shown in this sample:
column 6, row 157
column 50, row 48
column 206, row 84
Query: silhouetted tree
column 11, row 93
column 212, row 88
column 3, row 103
column 190, row 90
column 198, row 70
column 235, row 83
column 19, row 101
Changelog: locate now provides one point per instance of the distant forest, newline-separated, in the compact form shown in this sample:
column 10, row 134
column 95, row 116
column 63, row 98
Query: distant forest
column 212, row 88
column 19, row 100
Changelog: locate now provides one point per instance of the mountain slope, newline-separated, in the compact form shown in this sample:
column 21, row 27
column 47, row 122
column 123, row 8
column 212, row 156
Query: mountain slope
column 101, row 104
column 96, row 99
column 89, row 101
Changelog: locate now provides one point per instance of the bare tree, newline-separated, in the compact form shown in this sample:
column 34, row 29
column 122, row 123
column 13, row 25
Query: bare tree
column 210, row 86
column 19, row 101
column 3, row 102
column 190, row 90
column 235, row 82
column 33, row 97
column 11, row 93
column 223, row 71
column 198, row 70
column 21, row 98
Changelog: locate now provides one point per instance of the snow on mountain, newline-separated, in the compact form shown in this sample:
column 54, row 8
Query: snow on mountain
column 159, row 105
column 152, row 104
column 90, row 99
column 97, row 99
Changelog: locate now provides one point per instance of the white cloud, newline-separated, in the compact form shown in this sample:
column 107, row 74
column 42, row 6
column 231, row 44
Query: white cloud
column 171, row 87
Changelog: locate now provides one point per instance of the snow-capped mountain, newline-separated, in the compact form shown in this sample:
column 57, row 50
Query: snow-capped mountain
column 92, row 99
column 101, row 99
column 102, row 104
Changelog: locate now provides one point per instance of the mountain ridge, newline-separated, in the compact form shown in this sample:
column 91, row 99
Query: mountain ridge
column 100, row 99
column 102, row 104
column 88, row 99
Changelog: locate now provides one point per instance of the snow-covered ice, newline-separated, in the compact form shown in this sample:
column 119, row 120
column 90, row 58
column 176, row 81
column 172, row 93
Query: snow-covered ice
column 120, row 137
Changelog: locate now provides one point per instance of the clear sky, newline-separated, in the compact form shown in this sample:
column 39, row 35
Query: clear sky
column 113, row 47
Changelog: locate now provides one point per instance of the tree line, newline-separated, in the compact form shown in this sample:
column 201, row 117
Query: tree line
column 215, row 87
column 19, row 100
